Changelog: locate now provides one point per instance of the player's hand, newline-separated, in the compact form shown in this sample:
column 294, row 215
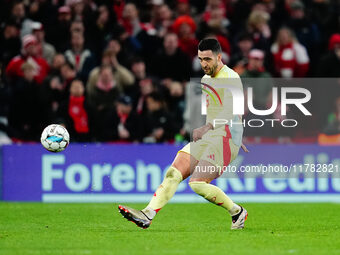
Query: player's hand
column 244, row 148
column 199, row 132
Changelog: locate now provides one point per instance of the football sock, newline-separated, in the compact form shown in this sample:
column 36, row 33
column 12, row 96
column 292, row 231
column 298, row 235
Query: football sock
column 236, row 209
column 215, row 195
column 149, row 212
column 164, row 192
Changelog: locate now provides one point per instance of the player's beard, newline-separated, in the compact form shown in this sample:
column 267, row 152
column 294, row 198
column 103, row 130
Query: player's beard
column 211, row 71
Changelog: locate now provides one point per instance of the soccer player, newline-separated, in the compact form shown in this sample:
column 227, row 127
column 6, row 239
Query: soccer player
column 213, row 146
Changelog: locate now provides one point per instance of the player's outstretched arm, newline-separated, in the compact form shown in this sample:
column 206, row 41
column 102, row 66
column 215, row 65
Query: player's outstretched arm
column 199, row 132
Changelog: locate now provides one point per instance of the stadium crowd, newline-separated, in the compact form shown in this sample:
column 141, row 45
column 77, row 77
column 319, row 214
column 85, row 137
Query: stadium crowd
column 115, row 70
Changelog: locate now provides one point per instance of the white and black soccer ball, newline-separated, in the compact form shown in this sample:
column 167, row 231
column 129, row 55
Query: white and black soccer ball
column 55, row 138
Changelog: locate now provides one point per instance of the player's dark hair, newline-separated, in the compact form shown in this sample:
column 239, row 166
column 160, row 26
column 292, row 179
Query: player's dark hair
column 210, row 44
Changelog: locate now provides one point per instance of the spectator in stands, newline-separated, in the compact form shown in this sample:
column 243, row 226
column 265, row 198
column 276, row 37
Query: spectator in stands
column 18, row 15
column 259, row 29
column 24, row 112
column 75, row 113
column 159, row 125
column 161, row 19
column 68, row 74
column 77, row 26
column 55, row 90
column 239, row 59
column 77, row 7
column 80, row 57
column 175, row 101
column 321, row 12
column 290, row 57
column 10, row 43
column 118, row 8
column 101, row 29
column 239, row 14
column 126, row 121
column 307, row 33
column 146, row 87
column 171, row 62
column 123, row 76
column 121, row 51
column 29, row 54
column 60, row 36
column 330, row 63
column 139, row 71
column 183, row 7
column 102, row 97
column 51, row 94
column 185, row 27
column 211, row 6
column 81, row 10
column 216, row 23
column 137, row 37
column 57, row 62
column 257, row 78
column 130, row 20
column 105, row 91
column 43, row 11
column 18, row 12
column 45, row 50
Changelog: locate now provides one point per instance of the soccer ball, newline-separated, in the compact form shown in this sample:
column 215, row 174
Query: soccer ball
column 55, row 138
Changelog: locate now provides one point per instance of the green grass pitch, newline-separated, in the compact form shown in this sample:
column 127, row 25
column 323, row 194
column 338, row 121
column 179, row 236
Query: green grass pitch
column 36, row 228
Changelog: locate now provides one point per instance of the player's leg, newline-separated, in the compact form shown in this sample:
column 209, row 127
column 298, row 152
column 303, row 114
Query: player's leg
column 206, row 171
column 178, row 171
column 200, row 180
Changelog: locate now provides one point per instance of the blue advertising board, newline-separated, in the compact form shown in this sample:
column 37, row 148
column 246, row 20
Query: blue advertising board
column 131, row 173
